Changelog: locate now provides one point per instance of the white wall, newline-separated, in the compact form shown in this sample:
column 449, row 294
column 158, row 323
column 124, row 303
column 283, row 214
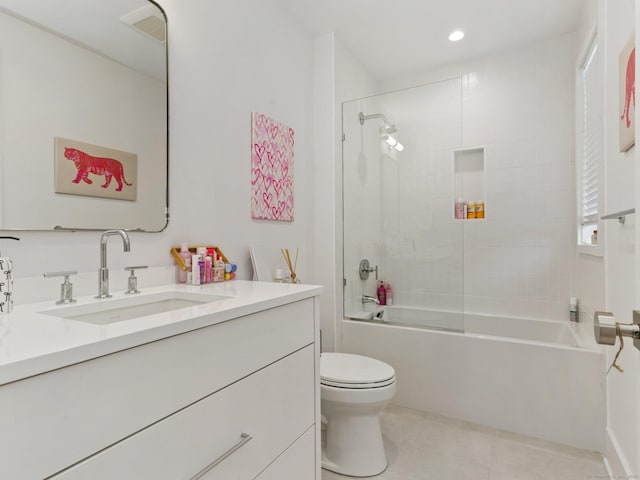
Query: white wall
column 338, row 76
column 221, row 69
column 325, row 174
column 617, row 17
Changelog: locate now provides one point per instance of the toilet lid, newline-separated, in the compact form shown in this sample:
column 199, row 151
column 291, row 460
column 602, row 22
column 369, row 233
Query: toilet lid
column 347, row 370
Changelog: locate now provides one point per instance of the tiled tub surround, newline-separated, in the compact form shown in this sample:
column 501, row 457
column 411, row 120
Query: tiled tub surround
column 548, row 386
column 163, row 395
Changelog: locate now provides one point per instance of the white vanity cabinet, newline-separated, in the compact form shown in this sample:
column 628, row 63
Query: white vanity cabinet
column 242, row 395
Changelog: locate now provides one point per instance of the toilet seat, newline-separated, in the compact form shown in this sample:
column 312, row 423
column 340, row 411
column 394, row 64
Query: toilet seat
column 345, row 370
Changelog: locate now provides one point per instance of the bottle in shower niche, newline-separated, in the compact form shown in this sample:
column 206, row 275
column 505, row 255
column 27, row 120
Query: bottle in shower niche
column 460, row 209
column 382, row 293
column 389, row 292
column 471, row 210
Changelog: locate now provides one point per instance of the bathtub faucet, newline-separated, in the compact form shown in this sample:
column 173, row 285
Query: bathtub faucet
column 369, row 298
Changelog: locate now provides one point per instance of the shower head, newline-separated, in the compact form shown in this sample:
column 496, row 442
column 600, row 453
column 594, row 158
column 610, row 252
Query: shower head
column 385, row 130
column 364, row 118
column 388, row 128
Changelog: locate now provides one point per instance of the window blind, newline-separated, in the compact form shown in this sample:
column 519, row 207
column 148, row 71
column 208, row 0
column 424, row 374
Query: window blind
column 591, row 137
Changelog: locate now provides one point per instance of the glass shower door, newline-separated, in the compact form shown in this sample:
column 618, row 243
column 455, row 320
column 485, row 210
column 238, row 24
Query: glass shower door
column 399, row 193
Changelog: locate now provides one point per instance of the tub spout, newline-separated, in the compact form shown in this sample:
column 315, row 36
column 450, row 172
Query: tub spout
column 369, row 298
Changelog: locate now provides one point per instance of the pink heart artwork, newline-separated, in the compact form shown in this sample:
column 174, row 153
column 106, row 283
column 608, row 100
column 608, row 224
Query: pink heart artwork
column 271, row 169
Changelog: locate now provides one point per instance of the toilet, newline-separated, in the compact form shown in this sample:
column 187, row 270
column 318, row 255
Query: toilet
column 353, row 391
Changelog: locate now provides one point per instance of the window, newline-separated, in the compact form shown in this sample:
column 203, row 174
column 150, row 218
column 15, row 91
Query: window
column 589, row 145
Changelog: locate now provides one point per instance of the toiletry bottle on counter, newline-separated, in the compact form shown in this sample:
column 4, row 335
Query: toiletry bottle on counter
column 218, row 269
column 195, row 269
column 389, row 292
column 185, row 254
column 594, row 237
column 207, row 269
column 382, row 293
column 480, row 209
column 202, row 255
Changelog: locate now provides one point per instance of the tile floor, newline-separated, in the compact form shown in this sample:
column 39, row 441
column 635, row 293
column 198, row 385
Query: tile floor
column 423, row 446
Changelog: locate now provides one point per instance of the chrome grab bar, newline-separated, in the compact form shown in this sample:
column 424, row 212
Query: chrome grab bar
column 619, row 215
column 244, row 438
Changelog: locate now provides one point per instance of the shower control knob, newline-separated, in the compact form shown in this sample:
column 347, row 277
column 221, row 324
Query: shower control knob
column 366, row 269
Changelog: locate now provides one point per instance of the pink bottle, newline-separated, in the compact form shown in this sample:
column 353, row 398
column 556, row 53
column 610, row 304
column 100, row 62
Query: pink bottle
column 460, row 213
column 389, row 294
column 186, row 257
column 382, row 293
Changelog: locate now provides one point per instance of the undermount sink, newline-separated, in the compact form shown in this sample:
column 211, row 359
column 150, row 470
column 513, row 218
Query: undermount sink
column 117, row 310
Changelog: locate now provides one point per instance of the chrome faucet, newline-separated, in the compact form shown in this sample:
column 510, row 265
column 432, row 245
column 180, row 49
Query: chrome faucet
column 369, row 298
column 103, row 273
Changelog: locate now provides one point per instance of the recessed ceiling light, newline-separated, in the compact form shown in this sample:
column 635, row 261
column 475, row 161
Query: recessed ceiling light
column 457, row 35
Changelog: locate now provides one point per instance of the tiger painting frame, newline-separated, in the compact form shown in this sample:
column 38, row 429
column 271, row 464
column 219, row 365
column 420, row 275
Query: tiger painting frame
column 94, row 171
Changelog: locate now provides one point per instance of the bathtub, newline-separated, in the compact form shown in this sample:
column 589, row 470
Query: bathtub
column 531, row 377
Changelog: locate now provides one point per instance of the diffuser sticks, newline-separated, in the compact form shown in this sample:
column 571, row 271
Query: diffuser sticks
column 291, row 265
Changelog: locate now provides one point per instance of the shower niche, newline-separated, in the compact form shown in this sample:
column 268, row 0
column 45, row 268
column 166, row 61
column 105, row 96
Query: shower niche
column 469, row 177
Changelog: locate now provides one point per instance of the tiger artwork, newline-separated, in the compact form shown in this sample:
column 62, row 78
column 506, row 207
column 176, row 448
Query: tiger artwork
column 86, row 164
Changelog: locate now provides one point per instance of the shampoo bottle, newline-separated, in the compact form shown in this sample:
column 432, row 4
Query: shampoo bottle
column 382, row 293
column 389, row 294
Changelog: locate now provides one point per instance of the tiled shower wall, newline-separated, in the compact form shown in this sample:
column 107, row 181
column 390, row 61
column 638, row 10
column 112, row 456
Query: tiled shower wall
column 518, row 105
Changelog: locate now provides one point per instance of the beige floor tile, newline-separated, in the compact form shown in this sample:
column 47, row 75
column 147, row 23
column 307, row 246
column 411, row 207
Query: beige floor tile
column 423, row 446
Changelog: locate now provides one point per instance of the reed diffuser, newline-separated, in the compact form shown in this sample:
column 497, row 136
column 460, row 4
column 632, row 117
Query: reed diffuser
column 291, row 265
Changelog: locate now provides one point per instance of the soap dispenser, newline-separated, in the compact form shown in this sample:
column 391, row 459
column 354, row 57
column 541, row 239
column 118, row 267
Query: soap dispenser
column 6, row 282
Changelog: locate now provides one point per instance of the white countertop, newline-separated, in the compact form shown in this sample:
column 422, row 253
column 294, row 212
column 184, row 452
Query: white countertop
column 32, row 342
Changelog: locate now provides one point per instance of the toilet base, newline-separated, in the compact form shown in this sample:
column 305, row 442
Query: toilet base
column 354, row 446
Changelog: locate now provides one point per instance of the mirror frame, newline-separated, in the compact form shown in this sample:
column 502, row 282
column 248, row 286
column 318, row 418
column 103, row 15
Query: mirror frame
column 61, row 228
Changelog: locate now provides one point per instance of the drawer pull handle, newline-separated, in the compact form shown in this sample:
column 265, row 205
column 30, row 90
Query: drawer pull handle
column 244, row 438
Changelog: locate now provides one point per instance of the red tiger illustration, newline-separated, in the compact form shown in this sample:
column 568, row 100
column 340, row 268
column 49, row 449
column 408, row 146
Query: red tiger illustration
column 630, row 93
column 86, row 164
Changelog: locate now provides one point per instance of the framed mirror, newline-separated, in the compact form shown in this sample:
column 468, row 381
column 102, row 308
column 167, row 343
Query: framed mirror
column 83, row 115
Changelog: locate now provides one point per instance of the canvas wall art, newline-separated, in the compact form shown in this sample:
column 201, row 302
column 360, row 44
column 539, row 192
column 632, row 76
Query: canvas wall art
column 94, row 171
column 272, row 152
column 627, row 94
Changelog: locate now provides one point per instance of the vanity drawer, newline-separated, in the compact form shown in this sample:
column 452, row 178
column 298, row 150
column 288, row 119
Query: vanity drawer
column 297, row 461
column 76, row 411
column 274, row 405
